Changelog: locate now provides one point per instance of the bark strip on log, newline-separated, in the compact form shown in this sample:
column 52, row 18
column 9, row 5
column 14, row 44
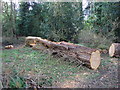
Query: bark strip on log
column 90, row 57
column 114, row 50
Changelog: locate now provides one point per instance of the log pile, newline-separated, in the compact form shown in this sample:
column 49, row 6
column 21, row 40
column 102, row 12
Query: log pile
column 88, row 56
column 114, row 50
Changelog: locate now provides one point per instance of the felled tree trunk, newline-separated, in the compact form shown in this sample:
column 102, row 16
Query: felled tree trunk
column 114, row 50
column 88, row 56
column 30, row 41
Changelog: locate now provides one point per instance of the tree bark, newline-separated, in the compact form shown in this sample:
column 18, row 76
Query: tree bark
column 88, row 56
column 114, row 50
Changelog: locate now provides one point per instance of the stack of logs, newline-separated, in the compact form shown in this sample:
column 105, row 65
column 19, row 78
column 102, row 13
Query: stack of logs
column 89, row 57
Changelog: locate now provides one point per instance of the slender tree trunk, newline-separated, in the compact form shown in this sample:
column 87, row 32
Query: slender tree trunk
column 13, row 19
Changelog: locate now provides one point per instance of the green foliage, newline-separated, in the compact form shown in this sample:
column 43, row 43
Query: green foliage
column 61, row 21
column 101, row 27
column 55, row 21
column 66, row 24
column 104, row 19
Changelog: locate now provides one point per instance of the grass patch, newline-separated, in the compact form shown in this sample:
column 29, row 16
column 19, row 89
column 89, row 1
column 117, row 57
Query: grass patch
column 43, row 69
column 17, row 82
column 19, row 65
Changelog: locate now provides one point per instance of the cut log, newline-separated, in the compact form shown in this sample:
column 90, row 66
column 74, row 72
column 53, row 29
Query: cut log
column 30, row 41
column 9, row 47
column 88, row 56
column 114, row 50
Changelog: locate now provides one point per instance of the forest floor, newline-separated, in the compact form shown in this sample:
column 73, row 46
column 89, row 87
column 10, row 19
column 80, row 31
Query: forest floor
column 24, row 67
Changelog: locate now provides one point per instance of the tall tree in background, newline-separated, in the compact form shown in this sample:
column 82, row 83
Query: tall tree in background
column 9, row 19
column 23, row 23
